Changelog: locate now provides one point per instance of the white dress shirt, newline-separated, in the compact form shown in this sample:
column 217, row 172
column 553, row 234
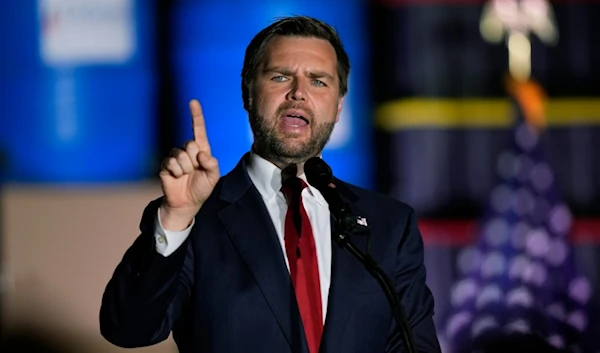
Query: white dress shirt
column 266, row 177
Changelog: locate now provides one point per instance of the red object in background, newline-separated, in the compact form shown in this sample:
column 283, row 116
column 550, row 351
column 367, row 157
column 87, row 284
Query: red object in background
column 436, row 232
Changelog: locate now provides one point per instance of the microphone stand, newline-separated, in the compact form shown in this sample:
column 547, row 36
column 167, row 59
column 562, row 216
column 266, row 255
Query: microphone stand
column 346, row 226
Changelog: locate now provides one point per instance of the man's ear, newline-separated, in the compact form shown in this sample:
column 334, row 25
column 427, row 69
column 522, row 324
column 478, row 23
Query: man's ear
column 339, row 109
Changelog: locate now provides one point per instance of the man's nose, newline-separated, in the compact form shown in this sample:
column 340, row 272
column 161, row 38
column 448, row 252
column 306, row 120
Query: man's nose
column 298, row 90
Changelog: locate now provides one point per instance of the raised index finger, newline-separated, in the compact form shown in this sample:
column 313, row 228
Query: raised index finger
column 199, row 126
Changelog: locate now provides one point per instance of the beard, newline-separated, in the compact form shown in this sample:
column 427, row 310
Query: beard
column 272, row 143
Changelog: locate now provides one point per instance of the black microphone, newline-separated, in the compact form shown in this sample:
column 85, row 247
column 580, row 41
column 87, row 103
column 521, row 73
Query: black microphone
column 319, row 174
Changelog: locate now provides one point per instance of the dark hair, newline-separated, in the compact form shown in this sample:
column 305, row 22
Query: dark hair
column 302, row 26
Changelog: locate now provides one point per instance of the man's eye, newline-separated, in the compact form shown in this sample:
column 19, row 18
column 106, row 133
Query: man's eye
column 319, row 83
column 278, row 78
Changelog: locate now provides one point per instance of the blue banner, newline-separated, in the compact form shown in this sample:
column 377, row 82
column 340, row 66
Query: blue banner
column 77, row 90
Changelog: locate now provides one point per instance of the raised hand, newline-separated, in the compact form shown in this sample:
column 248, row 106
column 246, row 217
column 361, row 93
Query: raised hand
column 188, row 176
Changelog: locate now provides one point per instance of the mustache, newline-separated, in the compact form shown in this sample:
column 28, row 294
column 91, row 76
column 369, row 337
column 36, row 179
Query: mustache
column 285, row 106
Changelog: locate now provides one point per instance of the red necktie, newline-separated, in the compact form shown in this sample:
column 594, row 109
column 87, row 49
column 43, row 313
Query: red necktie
column 302, row 258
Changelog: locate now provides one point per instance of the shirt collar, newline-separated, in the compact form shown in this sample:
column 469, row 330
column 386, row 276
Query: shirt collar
column 266, row 177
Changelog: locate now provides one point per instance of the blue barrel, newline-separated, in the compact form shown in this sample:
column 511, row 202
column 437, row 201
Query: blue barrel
column 209, row 40
column 77, row 90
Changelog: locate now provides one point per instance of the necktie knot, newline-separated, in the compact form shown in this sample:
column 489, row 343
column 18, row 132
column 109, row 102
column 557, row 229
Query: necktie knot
column 292, row 189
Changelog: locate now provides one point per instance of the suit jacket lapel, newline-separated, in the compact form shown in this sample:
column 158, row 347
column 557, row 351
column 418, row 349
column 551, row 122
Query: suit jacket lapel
column 249, row 225
column 346, row 272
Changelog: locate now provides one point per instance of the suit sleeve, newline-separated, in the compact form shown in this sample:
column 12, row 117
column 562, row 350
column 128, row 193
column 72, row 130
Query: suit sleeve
column 416, row 298
column 147, row 291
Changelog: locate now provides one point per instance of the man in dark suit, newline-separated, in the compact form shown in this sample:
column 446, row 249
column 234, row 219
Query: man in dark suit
column 245, row 262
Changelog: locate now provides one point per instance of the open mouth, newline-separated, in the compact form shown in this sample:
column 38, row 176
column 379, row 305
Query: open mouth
column 295, row 119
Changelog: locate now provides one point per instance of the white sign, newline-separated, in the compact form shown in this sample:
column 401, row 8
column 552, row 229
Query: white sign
column 86, row 32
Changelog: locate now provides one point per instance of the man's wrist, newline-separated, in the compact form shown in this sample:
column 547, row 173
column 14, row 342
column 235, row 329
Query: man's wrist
column 176, row 220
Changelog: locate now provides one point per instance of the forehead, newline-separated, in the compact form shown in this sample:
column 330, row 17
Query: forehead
column 294, row 51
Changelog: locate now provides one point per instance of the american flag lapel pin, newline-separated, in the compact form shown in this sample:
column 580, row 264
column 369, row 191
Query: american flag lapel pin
column 361, row 220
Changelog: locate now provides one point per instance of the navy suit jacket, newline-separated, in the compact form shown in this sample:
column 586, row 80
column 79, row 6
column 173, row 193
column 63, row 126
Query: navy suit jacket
column 227, row 288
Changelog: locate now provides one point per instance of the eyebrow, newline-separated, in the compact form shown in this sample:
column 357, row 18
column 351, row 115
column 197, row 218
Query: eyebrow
column 286, row 71
column 276, row 69
column 320, row 74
